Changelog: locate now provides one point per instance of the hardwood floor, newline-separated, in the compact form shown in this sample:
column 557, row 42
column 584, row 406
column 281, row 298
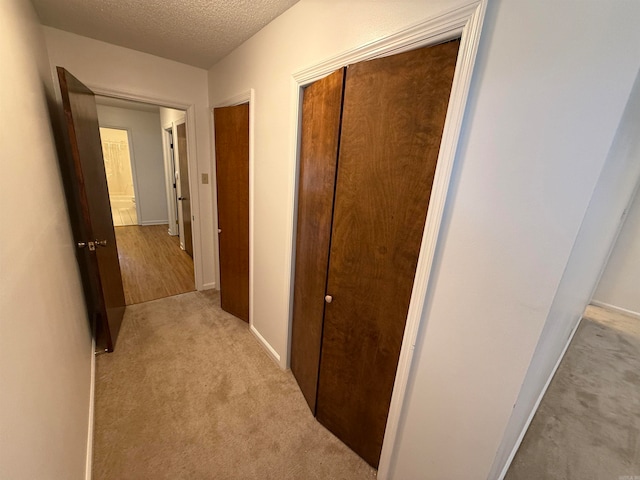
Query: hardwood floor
column 153, row 264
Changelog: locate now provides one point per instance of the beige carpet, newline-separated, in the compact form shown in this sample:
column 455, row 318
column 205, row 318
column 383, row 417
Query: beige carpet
column 190, row 394
column 588, row 424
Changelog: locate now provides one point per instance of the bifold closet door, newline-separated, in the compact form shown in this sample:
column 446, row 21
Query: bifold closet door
column 393, row 116
column 321, row 109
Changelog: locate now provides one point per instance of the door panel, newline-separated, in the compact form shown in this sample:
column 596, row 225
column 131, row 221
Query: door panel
column 85, row 176
column 232, row 178
column 393, row 117
column 185, row 193
column 321, row 110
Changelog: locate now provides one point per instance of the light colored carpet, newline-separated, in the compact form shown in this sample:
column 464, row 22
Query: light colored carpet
column 190, row 394
column 588, row 423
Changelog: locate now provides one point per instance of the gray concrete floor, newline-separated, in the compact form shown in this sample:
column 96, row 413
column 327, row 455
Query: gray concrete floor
column 588, row 423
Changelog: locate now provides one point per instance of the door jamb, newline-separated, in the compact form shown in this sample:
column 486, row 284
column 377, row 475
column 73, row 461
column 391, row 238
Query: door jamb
column 464, row 22
column 169, row 177
column 190, row 117
column 247, row 96
column 176, row 159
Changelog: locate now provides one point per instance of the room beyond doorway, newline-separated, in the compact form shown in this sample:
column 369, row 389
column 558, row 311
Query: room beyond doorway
column 148, row 183
column 116, row 152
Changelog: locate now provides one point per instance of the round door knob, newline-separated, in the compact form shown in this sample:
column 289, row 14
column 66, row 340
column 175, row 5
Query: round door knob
column 328, row 298
column 219, row 230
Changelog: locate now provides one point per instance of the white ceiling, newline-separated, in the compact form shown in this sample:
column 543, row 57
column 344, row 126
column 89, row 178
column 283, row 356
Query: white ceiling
column 195, row 32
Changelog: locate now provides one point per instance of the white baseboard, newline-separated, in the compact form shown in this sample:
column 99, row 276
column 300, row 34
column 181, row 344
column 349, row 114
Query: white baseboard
column 144, row 223
column 512, row 455
column 608, row 306
column 270, row 350
column 92, row 396
column 209, row 286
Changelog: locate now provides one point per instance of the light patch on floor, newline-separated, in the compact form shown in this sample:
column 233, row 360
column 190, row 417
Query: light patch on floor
column 123, row 216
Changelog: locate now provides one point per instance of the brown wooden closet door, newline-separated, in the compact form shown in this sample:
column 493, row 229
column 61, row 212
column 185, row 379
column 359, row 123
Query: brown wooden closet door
column 232, row 179
column 321, row 110
column 393, row 117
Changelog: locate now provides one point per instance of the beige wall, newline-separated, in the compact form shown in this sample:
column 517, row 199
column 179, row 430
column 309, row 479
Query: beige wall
column 45, row 344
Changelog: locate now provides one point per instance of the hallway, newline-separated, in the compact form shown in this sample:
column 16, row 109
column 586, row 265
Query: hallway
column 190, row 394
column 153, row 264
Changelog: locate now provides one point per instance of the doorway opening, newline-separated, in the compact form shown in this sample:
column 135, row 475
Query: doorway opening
column 116, row 152
column 597, row 372
column 146, row 163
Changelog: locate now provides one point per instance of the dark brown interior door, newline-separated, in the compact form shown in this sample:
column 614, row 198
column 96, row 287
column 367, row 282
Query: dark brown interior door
column 232, row 180
column 321, row 110
column 185, row 194
column 90, row 211
column 393, row 116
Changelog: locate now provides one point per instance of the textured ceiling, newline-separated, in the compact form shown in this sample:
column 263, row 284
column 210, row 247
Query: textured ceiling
column 196, row 32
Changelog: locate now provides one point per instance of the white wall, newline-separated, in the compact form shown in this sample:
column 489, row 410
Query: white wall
column 549, row 89
column 593, row 243
column 551, row 85
column 45, row 342
column 620, row 282
column 140, row 76
column 148, row 161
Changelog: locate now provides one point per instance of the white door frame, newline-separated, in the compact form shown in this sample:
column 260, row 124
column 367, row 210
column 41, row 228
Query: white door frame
column 132, row 162
column 190, row 119
column 169, row 177
column 464, row 22
column 248, row 96
column 177, row 160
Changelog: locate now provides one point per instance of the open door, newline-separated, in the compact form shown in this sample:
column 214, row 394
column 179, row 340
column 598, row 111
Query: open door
column 185, row 195
column 90, row 211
